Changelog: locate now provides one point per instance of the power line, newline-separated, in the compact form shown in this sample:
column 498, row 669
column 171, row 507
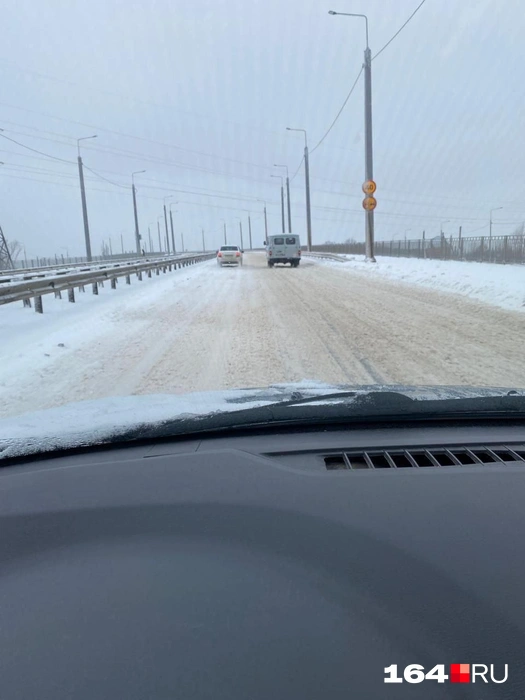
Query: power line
column 117, row 184
column 298, row 168
column 338, row 113
column 399, row 30
column 71, row 162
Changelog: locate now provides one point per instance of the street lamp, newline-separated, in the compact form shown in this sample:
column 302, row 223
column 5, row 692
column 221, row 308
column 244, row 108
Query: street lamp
column 134, row 192
column 369, row 152
column 275, row 165
column 224, row 222
column 282, row 199
column 490, row 219
column 307, row 187
column 83, row 196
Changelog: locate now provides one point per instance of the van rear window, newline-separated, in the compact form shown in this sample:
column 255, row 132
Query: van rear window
column 290, row 240
column 278, row 241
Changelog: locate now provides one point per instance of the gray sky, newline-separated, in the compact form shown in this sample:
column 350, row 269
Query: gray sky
column 199, row 94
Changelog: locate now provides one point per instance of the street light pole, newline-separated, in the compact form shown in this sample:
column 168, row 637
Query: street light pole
column 282, row 200
column 307, row 188
column 172, row 233
column 240, row 228
column 150, row 241
column 287, row 196
column 166, row 223
column 490, row 219
column 225, row 240
column 369, row 151
column 265, row 220
column 137, row 232
column 203, row 243
column 250, row 231
column 158, row 231
column 83, row 197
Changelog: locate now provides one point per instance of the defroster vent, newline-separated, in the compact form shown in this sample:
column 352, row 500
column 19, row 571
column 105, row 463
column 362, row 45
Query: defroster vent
column 421, row 458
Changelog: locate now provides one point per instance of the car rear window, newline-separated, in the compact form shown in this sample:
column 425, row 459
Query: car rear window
column 229, row 247
column 290, row 240
column 278, row 241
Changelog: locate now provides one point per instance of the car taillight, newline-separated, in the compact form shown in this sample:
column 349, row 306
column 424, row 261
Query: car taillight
column 237, row 254
column 219, row 254
column 269, row 252
column 299, row 253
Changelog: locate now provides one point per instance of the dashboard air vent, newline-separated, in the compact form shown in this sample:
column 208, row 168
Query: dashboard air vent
column 432, row 457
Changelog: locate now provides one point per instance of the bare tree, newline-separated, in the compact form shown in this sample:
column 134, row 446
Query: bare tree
column 15, row 249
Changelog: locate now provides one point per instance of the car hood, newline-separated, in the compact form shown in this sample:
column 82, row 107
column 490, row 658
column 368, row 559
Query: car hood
column 89, row 423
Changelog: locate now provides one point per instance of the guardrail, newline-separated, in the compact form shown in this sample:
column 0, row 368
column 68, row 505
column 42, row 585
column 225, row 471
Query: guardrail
column 64, row 268
column 330, row 256
column 37, row 288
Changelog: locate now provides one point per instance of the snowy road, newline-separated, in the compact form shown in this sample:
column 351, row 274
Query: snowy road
column 207, row 328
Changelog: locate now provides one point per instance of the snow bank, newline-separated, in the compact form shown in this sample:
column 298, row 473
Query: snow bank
column 498, row 285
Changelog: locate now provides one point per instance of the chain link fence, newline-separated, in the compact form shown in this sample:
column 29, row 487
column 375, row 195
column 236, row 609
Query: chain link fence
column 494, row 249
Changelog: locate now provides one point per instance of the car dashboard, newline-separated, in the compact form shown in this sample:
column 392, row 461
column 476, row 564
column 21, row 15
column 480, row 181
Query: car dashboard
column 285, row 563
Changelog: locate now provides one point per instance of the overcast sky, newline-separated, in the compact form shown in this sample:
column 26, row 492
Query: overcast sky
column 199, row 94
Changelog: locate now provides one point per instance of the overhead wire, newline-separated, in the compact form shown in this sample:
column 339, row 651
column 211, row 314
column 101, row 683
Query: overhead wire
column 398, row 31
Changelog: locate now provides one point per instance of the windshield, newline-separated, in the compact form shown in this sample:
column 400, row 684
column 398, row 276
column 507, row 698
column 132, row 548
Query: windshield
column 372, row 188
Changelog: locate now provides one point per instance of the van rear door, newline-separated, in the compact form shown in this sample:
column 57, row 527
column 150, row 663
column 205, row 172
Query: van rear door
column 278, row 247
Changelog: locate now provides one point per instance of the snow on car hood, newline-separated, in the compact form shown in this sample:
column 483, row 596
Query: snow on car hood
column 94, row 422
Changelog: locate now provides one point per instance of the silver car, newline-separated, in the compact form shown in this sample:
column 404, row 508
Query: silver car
column 229, row 255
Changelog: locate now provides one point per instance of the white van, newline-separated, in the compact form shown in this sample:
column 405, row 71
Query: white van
column 284, row 248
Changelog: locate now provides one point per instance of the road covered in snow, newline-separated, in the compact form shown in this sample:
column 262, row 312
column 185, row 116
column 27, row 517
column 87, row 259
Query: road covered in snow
column 204, row 328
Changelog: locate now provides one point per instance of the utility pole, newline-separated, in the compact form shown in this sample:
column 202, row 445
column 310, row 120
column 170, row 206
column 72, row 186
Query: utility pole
column 158, row 231
column 490, row 219
column 225, row 240
column 134, row 192
column 369, row 154
column 150, row 241
column 282, row 207
column 110, row 247
column 203, row 243
column 172, row 234
column 166, row 227
column 250, row 231
column 240, row 227
column 83, row 197
column 289, row 206
column 276, row 165
column 369, row 151
column 307, row 188
column 122, row 243
column 182, row 239
column 282, row 201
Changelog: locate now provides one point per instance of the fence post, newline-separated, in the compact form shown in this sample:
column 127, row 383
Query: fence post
column 505, row 247
column 113, row 283
column 94, row 287
column 128, row 279
column 27, row 302
column 71, row 295
column 399, row 249
column 423, row 244
column 482, row 249
column 38, row 305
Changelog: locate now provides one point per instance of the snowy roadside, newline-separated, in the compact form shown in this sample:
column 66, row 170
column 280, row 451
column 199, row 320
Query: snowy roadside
column 498, row 285
column 34, row 343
